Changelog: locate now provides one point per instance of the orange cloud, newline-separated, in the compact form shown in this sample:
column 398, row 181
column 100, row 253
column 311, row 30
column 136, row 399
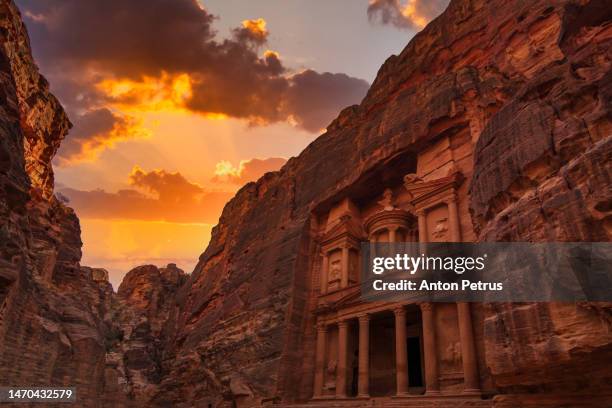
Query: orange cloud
column 409, row 14
column 253, row 30
column 247, row 170
column 165, row 185
column 271, row 54
column 97, row 130
column 166, row 92
column 180, row 65
column 158, row 196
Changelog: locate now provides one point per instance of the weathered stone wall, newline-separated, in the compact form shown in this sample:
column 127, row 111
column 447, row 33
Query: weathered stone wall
column 543, row 171
column 60, row 323
column 528, row 81
column 49, row 334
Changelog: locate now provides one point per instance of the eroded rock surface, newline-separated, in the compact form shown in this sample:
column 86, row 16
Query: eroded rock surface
column 60, row 323
column 528, row 82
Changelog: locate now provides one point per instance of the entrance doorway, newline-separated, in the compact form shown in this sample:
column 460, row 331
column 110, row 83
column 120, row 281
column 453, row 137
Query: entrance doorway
column 415, row 374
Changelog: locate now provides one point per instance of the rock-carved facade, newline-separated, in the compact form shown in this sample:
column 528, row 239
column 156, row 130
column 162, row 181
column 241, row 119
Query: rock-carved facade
column 366, row 350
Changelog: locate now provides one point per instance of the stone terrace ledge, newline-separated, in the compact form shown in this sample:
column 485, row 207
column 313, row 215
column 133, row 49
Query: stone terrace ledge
column 409, row 401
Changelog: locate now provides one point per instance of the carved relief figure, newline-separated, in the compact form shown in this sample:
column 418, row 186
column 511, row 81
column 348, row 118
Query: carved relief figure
column 330, row 384
column 440, row 229
column 335, row 270
column 354, row 266
column 452, row 354
column 387, row 200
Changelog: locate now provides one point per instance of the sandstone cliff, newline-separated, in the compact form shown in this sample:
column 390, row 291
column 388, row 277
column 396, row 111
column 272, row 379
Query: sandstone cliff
column 529, row 83
column 60, row 323
column 51, row 330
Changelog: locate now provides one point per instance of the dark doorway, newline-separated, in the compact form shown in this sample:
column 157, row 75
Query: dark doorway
column 415, row 375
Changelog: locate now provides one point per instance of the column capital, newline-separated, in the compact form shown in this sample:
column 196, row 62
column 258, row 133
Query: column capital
column 343, row 323
column 420, row 212
column 451, row 199
column 322, row 327
column 399, row 311
column 364, row 318
column 426, row 306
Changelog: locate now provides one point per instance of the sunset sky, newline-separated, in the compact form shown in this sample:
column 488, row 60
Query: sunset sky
column 178, row 103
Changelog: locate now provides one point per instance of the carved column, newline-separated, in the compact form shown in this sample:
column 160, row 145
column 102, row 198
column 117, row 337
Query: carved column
column 392, row 234
column 324, row 273
column 364, row 356
column 422, row 220
column 342, row 359
column 468, row 349
column 453, row 220
column 345, row 267
column 422, row 226
column 401, row 355
column 432, row 385
column 320, row 360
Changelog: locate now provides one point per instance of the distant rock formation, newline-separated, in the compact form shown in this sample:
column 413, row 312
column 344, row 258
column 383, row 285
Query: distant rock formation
column 525, row 84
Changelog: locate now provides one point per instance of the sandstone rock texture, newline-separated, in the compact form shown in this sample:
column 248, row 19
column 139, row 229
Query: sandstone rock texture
column 60, row 323
column 51, row 314
column 527, row 83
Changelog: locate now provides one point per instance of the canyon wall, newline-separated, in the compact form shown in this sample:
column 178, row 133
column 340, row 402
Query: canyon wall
column 51, row 330
column 60, row 323
column 529, row 83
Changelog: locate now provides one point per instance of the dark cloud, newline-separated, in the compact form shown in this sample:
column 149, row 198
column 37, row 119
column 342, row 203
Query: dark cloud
column 406, row 14
column 313, row 98
column 80, row 42
column 158, row 196
column 129, row 38
column 96, row 130
column 167, row 186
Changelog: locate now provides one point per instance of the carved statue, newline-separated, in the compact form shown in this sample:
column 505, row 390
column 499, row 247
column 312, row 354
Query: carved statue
column 330, row 384
column 387, row 201
column 452, row 353
column 331, row 367
column 441, row 228
column 335, row 270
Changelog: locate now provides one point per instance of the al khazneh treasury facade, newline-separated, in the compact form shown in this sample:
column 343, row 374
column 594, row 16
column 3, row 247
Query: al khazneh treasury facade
column 396, row 353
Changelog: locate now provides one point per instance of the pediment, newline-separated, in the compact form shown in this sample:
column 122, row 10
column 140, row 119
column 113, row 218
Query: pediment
column 420, row 190
column 341, row 298
column 346, row 227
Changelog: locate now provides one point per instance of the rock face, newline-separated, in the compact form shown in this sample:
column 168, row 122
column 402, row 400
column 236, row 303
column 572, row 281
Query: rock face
column 525, row 85
column 60, row 323
column 51, row 313
column 528, row 82
column 145, row 302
